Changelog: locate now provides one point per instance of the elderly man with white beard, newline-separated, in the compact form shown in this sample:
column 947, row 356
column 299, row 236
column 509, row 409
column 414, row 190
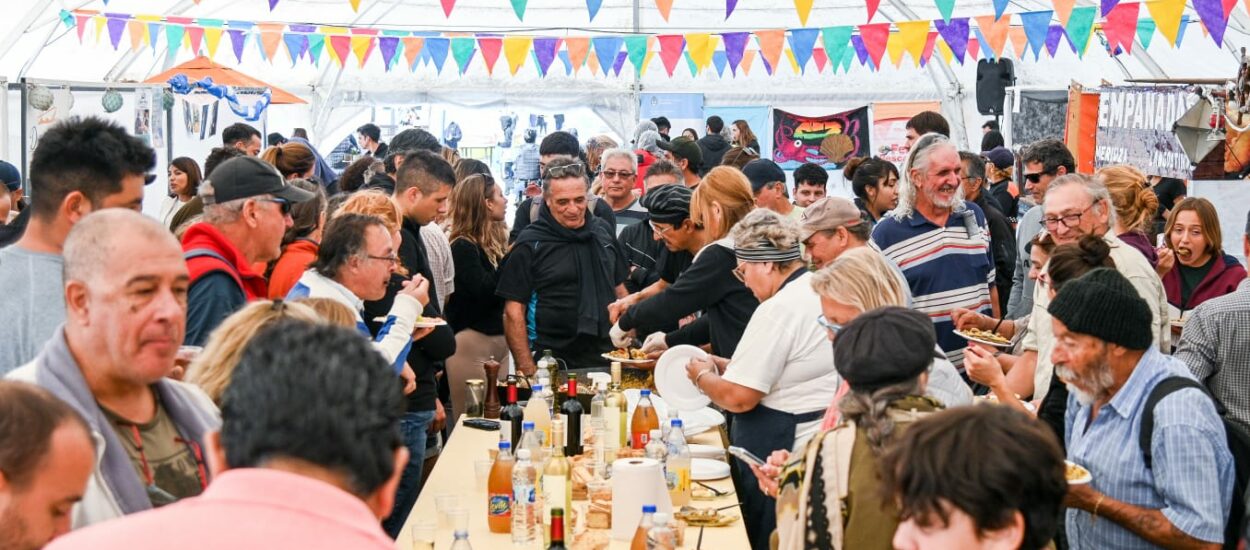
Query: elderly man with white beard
column 1139, row 422
column 940, row 241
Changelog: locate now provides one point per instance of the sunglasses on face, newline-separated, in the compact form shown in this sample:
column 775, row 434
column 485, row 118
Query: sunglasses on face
column 574, row 170
column 283, row 205
column 1036, row 177
column 613, row 174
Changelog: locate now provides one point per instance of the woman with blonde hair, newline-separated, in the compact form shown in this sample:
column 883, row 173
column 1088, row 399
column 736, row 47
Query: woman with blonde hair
column 211, row 370
column 1135, row 204
column 479, row 240
column 699, row 224
column 331, row 311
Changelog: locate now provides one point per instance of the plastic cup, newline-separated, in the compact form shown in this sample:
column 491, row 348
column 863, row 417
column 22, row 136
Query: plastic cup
column 481, row 471
column 423, row 533
column 445, row 504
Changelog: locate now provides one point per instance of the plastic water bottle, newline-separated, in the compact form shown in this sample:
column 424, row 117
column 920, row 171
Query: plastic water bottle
column 661, row 535
column 639, row 541
column 524, row 500
column 677, row 465
column 531, row 440
column 462, row 541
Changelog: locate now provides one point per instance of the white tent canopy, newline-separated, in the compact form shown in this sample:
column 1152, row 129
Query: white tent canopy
column 34, row 43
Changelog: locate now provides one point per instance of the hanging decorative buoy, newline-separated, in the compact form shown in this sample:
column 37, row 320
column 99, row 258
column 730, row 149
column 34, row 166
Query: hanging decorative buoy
column 39, row 97
column 112, row 101
column 167, row 100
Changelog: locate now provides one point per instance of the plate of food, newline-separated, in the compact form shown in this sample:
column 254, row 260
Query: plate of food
column 705, row 517
column 986, row 337
column 1076, row 474
column 421, row 322
column 628, row 356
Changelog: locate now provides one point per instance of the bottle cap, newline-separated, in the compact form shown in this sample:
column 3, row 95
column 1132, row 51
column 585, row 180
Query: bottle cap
column 536, row 388
column 646, row 393
column 527, row 425
column 504, row 445
column 648, row 509
column 523, row 454
column 676, row 423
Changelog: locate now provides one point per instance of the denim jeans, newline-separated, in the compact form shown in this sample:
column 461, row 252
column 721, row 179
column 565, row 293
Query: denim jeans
column 412, row 427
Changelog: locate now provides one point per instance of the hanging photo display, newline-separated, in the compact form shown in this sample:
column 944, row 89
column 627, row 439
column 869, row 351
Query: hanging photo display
column 825, row 140
column 1135, row 128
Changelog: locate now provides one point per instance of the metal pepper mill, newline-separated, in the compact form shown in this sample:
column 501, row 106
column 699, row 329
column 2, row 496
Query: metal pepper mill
column 491, row 366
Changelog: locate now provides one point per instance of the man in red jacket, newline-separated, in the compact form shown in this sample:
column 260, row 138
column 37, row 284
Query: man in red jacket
column 247, row 208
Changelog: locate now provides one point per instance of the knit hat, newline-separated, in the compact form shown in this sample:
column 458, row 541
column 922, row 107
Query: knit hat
column 668, row 203
column 884, row 346
column 1104, row 304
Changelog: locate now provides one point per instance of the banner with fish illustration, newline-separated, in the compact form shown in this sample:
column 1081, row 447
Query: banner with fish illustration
column 825, row 140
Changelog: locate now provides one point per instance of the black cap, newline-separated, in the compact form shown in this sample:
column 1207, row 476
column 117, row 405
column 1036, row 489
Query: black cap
column 245, row 177
column 684, row 148
column 762, row 172
column 884, row 346
column 1105, row 305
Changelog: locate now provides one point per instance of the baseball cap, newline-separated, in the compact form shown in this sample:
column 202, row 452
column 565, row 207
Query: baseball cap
column 1001, row 157
column 827, row 214
column 246, row 177
column 884, row 346
column 762, row 172
column 10, row 176
column 685, row 148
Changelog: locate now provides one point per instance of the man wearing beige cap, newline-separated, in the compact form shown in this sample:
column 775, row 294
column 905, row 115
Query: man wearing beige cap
column 831, row 226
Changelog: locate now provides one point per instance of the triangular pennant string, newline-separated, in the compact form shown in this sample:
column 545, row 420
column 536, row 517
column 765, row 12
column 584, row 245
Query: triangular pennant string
column 116, row 26
column 237, row 39
column 462, row 50
column 1211, row 13
column 1036, row 26
column 700, row 46
column 955, row 35
column 518, row 7
column 821, row 58
column 1054, row 35
column 1080, row 27
column 438, row 49
column 803, row 8
column 735, row 47
column 578, row 48
column 340, row 46
column 872, row 6
column 802, row 42
column 196, row 36
column 515, row 50
column 731, row 4
column 212, row 39
column 945, row 8
column 719, row 60
column 874, row 37
column 296, row 45
column 637, row 49
column 665, row 7
column 671, row 47
column 994, row 33
column 912, row 36
column 748, row 59
column 389, row 47
column 771, row 42
column 1107, row 6
column 1121, row 25
column 1000, row 6
column 1145, row 32
column 545, row 53
column 1167, row 16
column 136, row 29
column 592, row 6
column 412, row 50
column 1019, row 41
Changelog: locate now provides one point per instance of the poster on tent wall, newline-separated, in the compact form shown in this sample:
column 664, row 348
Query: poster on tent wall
column 889, row 127
column 1037, row 115
column 825, row 140
column 755, row 117
column 1135, row 128
column 681, row 110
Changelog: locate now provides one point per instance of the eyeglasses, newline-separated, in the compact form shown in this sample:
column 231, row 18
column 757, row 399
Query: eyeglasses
column 828, row 325
column 1036, row 177
column 572, row 170
column 283, row 204
column 1069, row 220
column 740, row 274
column 613, row 174
column 660, row 230
column 394, row 259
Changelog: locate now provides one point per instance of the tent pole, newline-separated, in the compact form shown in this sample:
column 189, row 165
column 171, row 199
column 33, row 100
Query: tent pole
column 635, row 90
column 23, row 26
column 959, row 124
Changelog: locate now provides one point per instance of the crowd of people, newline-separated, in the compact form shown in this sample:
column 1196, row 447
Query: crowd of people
column 266, row 363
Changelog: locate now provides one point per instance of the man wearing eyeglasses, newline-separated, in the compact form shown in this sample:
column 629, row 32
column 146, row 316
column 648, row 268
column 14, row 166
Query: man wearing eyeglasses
column 620, row 168
column 125, row 308
column 561, row 275
column 247, row 209
column 1043, row 161
column 79, row 166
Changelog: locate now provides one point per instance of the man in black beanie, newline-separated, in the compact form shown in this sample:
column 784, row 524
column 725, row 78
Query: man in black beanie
column 1104, row 353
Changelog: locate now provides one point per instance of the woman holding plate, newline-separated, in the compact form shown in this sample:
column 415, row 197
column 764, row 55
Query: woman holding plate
column 781, row 377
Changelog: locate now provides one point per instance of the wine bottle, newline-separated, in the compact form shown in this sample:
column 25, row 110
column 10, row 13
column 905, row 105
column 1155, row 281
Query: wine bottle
column 571, row 412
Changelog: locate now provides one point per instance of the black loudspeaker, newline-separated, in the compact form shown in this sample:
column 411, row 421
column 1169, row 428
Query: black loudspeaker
column 993, row 78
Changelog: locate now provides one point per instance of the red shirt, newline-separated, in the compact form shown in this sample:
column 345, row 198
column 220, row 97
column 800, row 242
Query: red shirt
column 203, row 236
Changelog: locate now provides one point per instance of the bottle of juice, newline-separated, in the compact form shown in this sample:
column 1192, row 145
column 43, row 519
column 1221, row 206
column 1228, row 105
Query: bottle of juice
column 644, row 525
column 538, row 412
column 645, row 419
column 614, row 408
column 499, row 491
column 677, row 465
column 557, row 490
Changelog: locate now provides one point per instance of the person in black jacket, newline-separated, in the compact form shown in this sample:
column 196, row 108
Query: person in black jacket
column 423, row 182
column 557, row 145
column 698, row 223
column 479, row 240
column 1000, row 165
column 1002, row 237
column 560, row 276
column 713, row 145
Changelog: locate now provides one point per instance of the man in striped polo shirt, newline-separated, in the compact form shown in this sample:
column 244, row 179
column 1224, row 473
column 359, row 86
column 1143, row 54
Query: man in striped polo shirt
column 940, row 241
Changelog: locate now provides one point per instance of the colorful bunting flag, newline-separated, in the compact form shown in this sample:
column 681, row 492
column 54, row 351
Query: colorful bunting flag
column 1167, row 16
column 665, row 7
column 462, row 50
column 1054, row 35
column 448, row 5
column 545, row 52
column 802, row 42
column 340, row 46
column 1063, row 8
column 945, row 8
column 735, row 48
column 804, row 9
column 700, row 47
column 1145, row 32
column 136, row 29
column 994, row 31
column 564, row 58
column 929, row 44
column 270, row 38
column 518, row 6
column 638, row 51
column 116, row 25
column 954, row 35
column 911, row 39
column 390, row 47
column 80, row 23
column 212, row 39
column 1019, row 41
column 438, row 49
column 1107, row 6
column 731, row 4
column 592, row 6
column 619, row 63
column 490, row 47
column 296, row 45
column 1180, row 32
column 671, row 47
column 1000, row 6
column 1121, row 25
column 874, row 37
column 413, row 48
column 872, row 6
column 1213, row 17
column 821, row 58
column 748, row 60
column 362, row 47
column 1036, row 27
column 720, row 61
column 516, row 49
column 237, row 39
column 771, row 42
column 578, row 48
column 1080, row 27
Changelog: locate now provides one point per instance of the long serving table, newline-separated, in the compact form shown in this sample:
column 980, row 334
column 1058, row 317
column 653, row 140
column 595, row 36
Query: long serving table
column 454, row 474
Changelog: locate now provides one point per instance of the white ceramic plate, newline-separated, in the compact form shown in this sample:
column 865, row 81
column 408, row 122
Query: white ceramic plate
column 671, row 380
column 422, row 322
column 699, row 450
column 704, row 469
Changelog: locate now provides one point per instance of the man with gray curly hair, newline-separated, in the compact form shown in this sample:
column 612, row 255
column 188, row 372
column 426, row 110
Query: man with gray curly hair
column 940, row 241
column 247, row 209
